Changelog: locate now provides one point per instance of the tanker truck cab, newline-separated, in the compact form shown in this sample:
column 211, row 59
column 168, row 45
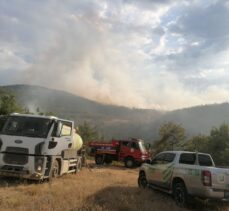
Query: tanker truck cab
column 37, row 147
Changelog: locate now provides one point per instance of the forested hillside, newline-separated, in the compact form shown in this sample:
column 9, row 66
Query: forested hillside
column 117, row 121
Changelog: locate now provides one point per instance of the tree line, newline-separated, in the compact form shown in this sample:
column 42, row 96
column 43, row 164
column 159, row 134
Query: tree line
column 172, row 137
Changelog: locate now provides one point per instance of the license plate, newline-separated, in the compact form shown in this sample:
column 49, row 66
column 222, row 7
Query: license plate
column 226, row 194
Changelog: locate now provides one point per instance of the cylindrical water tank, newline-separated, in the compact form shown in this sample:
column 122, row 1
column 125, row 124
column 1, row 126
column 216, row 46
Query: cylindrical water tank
column 77, row 142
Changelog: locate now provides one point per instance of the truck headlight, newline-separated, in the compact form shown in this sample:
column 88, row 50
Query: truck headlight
column 39, row 163
column 39, row 168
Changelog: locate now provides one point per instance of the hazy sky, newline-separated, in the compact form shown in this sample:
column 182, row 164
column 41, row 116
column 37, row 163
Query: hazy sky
column 162, row 54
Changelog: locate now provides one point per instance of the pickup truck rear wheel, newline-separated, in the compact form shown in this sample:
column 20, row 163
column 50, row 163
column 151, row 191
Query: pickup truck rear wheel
column 142, row 181
column 180, row 194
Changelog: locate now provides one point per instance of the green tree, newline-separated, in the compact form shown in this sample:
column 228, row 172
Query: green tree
column 171, row 135
column 88, row 132
column 219, row 144
column 216, row 144
column 8, row 105
column 198, row 143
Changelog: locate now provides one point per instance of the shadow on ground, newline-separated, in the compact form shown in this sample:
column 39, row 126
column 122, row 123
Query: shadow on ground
column 111, row 166
column 13, row 182
column 133, row 198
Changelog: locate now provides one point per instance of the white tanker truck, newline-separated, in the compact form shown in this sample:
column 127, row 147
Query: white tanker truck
column 38, row 147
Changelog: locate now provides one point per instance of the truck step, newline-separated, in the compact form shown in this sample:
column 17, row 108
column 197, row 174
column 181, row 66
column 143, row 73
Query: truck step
column 160, row 188
column 72, row 171
column 73, row 164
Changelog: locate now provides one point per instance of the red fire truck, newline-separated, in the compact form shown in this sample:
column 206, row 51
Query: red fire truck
column 132, row 152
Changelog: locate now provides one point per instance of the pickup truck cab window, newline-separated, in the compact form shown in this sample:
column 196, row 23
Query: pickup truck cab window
column 169, row 157
column 159, row 159
column 188, row 158
column 164, row 158
column 205, row 160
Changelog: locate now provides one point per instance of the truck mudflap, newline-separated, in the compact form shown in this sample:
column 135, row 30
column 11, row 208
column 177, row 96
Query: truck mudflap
column 18, row 172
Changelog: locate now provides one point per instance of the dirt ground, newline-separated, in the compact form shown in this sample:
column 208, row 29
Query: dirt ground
column 94, row 188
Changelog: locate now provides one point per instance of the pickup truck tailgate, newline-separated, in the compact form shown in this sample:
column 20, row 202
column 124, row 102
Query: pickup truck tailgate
column 220, row 179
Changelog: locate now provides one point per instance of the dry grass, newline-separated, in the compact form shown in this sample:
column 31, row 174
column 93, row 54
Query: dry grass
column 107, row 188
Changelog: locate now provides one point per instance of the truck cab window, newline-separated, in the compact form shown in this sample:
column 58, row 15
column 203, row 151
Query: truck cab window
column 66, row 129
column 134, row 145
column 169, row 157
column 188, row 158
column 125, row 143
column 159, row 159
column 204, row 160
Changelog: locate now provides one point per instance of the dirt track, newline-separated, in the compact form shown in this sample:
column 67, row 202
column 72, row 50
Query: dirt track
column 106, row 188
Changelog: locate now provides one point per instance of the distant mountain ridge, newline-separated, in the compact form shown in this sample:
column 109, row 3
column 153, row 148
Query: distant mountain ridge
column 118, row 121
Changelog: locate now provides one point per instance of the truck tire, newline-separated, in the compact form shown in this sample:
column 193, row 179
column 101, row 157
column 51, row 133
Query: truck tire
column 99, row 159
column 142, row 181
column 79, row 165
column 108, row 160
column 180, row 194
column 129, row 162
column 55, row 169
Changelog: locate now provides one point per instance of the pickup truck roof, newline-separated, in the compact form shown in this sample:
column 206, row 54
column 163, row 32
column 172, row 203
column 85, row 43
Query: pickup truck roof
column 180, row 152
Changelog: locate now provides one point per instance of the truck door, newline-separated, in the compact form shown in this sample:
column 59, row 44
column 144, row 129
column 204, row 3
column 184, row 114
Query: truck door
column 60, row 138
column 154, row 173
column 162, row 169
column 124, row 149
column 166, row 170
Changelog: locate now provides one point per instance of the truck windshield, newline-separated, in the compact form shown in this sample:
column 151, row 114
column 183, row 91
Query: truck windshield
column 142, row 146
column 2, row 121
column 26, row 126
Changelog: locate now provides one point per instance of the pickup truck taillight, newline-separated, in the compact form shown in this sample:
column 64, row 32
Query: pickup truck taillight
column 206, row 178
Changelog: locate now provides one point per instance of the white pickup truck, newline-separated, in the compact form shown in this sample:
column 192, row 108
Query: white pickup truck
column 185, row 174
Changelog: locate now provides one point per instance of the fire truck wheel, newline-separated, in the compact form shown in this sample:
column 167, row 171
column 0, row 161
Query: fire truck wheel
column 108, row 160
column 99, row 160
column 55, row 169
column 129, row 162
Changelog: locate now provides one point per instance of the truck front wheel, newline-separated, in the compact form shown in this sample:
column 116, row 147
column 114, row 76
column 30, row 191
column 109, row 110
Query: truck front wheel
column 180, row 194
column 129, row 162
column 79, row 165
column 55, row 169
column 142, row 181
column 99, row 159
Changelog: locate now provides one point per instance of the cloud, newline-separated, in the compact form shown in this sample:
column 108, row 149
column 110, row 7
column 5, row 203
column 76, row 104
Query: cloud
column 149, row 54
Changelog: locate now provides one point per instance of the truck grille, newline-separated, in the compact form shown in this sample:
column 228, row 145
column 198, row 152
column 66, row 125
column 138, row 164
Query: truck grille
column 16, row 155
